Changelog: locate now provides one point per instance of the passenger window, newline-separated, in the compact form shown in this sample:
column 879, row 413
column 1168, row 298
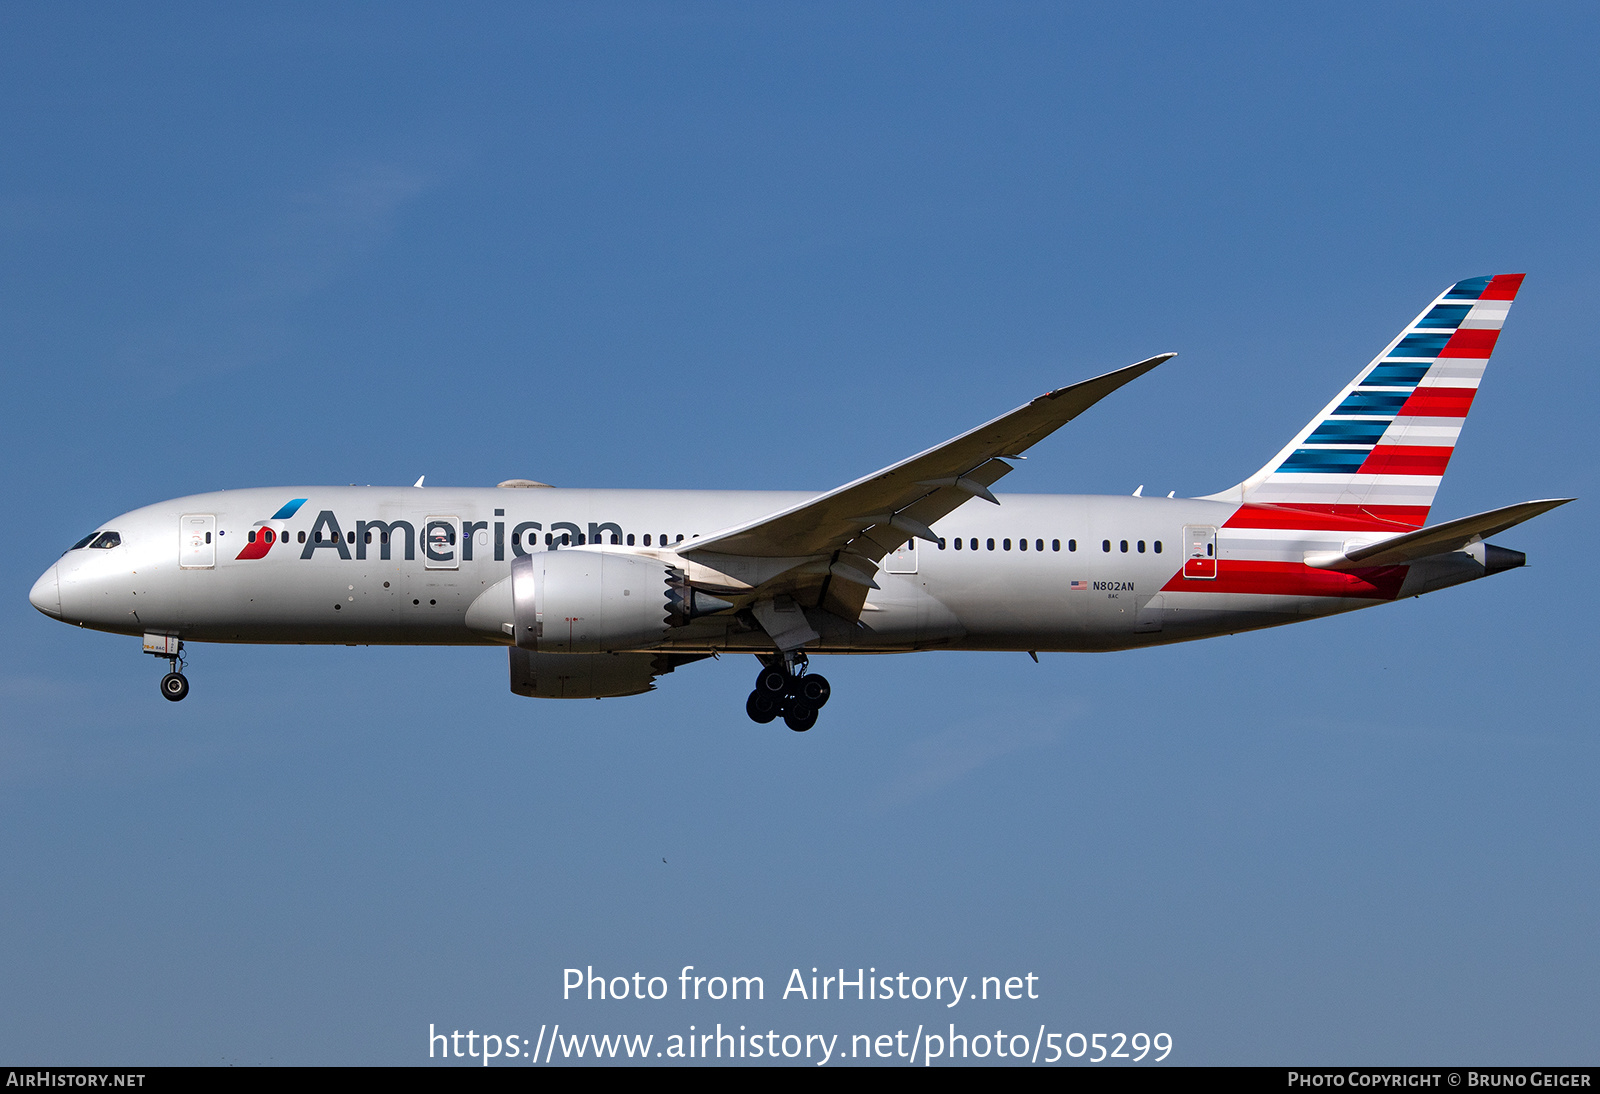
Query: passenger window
column 302, row 537
column 1141, row 546
column 1105, row 545
column 991, row 544
column 249, row 537
column 974, row 543
column 630, row 539
column 958, row 544
column 941, row 543
column 349, row 537
column 647, row 539
column 1038, row 545
column 1124, row 546
column 1158, row 546
column 1006, row 543
column 1022, row 545
column 1072, row 545
column 680, row 537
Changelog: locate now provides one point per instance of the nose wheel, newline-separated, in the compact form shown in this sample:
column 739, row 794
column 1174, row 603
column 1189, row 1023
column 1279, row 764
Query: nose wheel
column 174, row 686
column 784, row 689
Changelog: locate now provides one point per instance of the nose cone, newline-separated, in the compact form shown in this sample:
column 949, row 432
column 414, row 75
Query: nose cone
column 46, row 594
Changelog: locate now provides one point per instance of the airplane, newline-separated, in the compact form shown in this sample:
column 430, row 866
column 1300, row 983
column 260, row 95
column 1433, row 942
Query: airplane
column 596, row 593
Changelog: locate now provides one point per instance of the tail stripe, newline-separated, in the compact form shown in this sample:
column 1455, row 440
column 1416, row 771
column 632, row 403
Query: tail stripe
column 1386, row 440
column 1439, row 402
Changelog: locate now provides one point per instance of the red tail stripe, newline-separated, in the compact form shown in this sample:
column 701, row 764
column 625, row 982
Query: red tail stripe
column 1405, row 459
column 1293, row 579
column 1439, row 402
column 1470, row 343
column 1503, row 287
column 1339, row 518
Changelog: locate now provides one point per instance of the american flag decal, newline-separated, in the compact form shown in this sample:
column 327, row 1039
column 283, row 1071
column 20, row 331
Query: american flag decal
column 1080, row 586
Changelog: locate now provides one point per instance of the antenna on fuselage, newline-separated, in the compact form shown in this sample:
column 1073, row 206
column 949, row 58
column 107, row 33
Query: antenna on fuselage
column 418, row 483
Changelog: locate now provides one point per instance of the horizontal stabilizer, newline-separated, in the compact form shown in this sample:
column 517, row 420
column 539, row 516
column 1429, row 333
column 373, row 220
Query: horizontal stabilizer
column 1437, row 539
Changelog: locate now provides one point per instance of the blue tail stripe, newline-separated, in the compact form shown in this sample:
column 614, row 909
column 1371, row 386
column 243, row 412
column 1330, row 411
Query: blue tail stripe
column 1445, row 315
column 1395, row 374
column 1470, row 289
column 1420, row 345
column 1324, row 459
column 1369, row 402
column 1333, row 431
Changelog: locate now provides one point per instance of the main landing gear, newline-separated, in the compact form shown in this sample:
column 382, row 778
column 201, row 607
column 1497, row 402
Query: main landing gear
column 784, row 688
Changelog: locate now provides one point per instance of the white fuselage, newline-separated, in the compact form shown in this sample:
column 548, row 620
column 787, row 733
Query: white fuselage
column 1039, row 578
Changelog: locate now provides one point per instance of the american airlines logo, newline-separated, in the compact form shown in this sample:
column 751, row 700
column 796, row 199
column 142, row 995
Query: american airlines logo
column 261, row 538
column 437, row 539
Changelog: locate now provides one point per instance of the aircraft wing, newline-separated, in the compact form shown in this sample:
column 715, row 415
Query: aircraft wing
column 1436, row 539
column 875, row 514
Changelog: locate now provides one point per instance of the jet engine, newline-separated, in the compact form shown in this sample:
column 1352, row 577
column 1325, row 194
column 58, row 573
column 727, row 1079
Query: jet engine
column 588, row 602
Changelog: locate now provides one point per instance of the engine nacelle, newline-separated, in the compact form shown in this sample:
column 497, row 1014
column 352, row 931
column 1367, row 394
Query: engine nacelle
column 584, row 602
column 588, row 601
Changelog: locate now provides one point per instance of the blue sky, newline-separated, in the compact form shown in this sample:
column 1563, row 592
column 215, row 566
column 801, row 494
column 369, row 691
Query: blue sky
column 768, row 246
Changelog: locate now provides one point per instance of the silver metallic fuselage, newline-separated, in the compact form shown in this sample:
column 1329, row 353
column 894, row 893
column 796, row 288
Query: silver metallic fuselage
column 992, row 598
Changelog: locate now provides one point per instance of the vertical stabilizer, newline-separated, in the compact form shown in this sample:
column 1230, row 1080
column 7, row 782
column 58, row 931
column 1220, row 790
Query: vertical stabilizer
column 1379, row 449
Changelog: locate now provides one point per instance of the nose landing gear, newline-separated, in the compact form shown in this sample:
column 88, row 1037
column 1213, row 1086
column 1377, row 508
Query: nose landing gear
column 174, row 685
column 783, row 688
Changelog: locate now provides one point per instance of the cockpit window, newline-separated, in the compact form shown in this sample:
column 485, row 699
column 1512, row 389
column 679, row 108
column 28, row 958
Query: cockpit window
column 82, row 543
column 107, row 540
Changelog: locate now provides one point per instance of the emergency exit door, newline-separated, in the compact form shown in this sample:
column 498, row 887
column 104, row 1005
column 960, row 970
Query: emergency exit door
column 439, row 547
column 197, row 547
column 1200, row 560
column 903, row 559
